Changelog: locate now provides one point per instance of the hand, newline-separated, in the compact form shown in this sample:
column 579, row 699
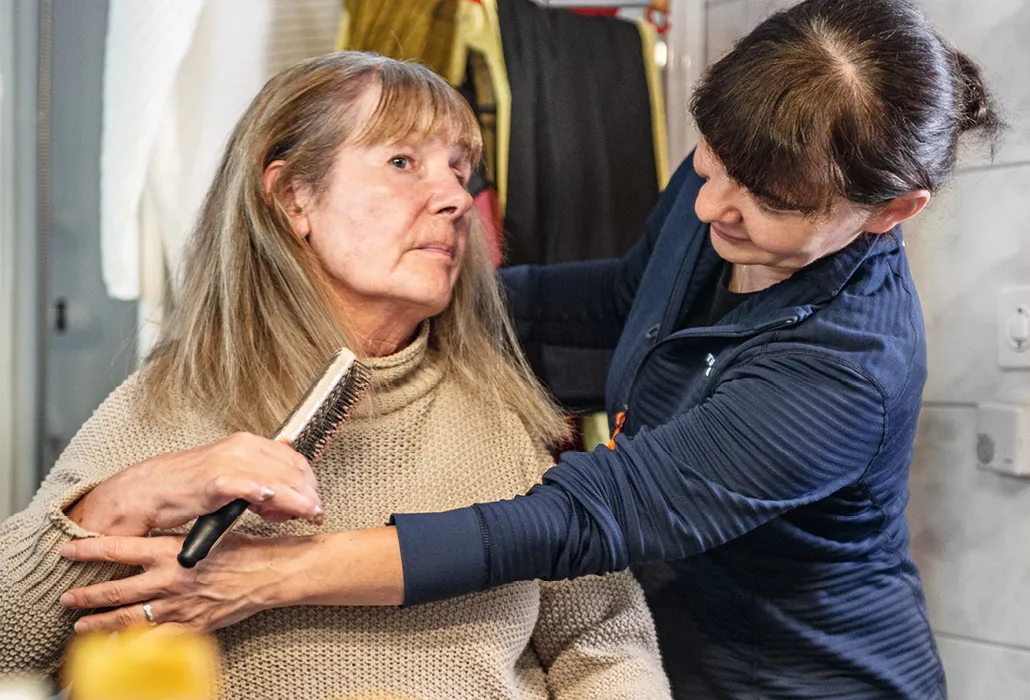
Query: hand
column 169, row 490
column 241, row 577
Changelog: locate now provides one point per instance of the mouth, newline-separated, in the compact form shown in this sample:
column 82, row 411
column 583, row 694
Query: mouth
column 728, row 237
column 440, row 249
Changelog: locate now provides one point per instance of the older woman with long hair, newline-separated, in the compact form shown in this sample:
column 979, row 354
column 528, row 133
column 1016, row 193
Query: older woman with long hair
column 338, row 216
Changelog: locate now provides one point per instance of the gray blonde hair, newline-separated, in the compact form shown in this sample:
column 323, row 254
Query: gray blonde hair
column 253, row 321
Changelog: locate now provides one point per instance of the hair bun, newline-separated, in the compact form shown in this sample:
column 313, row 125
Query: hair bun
column 975, row 109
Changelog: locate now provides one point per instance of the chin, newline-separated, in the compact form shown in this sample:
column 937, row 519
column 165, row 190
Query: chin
column 433, row 305
column 429, row 291
column 727, row 251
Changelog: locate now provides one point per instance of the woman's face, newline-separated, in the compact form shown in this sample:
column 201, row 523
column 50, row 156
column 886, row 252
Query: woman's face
column 391, row 227
column 746, row 231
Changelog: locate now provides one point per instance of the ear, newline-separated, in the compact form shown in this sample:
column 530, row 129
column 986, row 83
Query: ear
column 295, row 199
column 899, row 209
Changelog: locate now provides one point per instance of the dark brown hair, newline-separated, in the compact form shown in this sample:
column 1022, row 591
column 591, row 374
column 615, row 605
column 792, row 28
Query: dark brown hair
column 862, row 99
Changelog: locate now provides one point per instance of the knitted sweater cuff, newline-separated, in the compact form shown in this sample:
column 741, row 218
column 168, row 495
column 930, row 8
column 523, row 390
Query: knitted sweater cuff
column 58, row 515
column 443, row 554
column 31, row 557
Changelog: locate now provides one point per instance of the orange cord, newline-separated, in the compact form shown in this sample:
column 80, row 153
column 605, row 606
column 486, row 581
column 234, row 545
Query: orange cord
column 620, row 420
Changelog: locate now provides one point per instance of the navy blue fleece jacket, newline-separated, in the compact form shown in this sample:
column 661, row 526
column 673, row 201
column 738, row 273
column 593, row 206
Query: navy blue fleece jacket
column 759, row 484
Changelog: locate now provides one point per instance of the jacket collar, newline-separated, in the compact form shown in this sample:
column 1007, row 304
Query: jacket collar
column 797, row 297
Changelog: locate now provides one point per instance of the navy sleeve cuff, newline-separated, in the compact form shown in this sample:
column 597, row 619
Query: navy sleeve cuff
column 443, row 554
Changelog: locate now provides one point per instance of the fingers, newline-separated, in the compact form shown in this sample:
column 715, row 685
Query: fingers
column 156, row 554
column 268, row 474
column 277, row 517
column 117, row 620
column 134, row 551
column 279, row 497
column 113, row 594
column 180, row 486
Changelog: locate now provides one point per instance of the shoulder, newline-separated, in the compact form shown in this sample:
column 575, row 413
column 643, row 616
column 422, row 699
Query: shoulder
column 876, row 324
column 474, row 418
column 120, row 433
column 793, row 367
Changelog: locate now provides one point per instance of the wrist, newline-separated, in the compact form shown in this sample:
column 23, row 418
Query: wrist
column 109, row 509
column 340, row 568
column 291, row 561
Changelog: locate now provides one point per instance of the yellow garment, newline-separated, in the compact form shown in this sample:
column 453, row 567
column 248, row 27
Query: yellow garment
column 479, row 31
column 403, row 29
column 480, row 81
column 654, row 87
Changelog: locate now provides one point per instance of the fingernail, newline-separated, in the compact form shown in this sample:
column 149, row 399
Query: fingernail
column 318, row 511
column 266, row 493
column 67, row 599
column 80, row 627
column 67, row 551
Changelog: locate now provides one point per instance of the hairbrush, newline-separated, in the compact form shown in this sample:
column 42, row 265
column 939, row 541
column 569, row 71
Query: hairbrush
column 307, row 429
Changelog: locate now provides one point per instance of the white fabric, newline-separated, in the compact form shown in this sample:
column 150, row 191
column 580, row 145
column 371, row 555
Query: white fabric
column 146, row 42
column 177, row 77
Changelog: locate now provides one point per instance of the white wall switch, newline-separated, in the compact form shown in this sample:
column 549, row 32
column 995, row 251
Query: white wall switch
column 1014, row 327
column 1003, row 438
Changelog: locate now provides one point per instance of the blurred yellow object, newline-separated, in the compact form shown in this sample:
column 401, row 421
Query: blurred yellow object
column 142, row 664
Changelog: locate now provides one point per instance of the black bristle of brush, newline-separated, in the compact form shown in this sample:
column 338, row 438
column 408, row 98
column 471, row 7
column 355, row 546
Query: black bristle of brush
column 315, row 437
column 310, row 442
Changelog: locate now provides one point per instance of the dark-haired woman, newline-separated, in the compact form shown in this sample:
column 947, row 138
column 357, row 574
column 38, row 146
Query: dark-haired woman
column 770, row 360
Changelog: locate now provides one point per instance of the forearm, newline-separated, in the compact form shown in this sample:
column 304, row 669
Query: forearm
column 362, row 567
column 34, row 626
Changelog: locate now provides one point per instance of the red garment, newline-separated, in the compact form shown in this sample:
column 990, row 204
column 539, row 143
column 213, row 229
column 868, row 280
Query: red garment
column 489, row 209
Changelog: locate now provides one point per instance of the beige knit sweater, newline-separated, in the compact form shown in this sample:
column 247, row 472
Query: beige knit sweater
column 427, row 445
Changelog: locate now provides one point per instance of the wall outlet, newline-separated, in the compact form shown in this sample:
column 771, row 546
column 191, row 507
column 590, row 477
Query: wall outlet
column 1003, row 438
column 1014, row 327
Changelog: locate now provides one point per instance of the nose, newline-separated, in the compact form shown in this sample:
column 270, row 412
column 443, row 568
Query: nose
column 450, row 198
column 716, row 203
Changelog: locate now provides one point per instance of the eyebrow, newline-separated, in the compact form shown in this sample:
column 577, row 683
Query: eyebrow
column 775, row 202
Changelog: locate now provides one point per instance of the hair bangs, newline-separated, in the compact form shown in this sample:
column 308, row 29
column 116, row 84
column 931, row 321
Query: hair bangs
column 413, row 101
column 766, row 137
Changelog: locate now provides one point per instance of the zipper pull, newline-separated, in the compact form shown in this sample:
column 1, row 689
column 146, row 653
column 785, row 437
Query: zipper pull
column 620, row 420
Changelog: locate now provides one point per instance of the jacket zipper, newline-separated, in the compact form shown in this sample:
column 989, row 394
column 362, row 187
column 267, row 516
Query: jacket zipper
column 620, row 417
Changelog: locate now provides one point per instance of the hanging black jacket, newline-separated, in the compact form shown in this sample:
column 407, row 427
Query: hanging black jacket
column 582, row 174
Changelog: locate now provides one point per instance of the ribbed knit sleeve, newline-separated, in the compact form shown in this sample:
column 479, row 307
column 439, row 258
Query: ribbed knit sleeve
column 782, row 430
column 34, row 626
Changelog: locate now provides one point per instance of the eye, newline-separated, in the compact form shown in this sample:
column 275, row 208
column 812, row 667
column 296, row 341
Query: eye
column 769, row 208
column 402, row 162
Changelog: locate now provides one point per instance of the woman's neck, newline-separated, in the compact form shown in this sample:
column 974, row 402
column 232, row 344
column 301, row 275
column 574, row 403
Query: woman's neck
column 381, row 343
column 379, row 330
column 745, row 279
